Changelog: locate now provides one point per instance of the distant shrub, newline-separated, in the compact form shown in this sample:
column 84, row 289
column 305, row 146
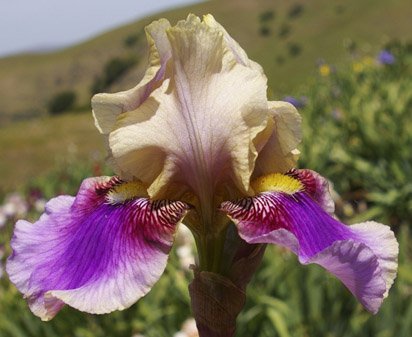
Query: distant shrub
column 295, row 11
column 61, row 102
column 131, row 40
column 350, row 45
column 280, row 59
column 266, row 16
column 113, row 70
column 98, row 85
column 116, row 68
column 264, row 30
column 294, row 49
column 284, row 30
column 339, row 9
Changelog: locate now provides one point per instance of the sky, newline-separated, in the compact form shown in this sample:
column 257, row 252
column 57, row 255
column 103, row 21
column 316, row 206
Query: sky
column 35, row 25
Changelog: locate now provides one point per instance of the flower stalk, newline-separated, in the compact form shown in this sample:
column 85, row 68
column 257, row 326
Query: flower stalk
column 216, row 301
column 218, row 296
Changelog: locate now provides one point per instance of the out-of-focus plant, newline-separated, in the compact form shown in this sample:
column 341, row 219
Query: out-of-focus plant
column 113, row 70
column 361, row 117
column 296, row 10
column 61, row 102
column 267, row 15
column 133, row 40
column 284, row 30
column 294, row 49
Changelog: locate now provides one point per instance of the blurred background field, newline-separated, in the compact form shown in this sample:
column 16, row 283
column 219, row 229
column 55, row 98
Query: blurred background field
column 346, row 65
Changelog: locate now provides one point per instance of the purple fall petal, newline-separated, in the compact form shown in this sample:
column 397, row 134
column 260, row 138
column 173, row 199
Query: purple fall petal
column 362, row 256
column 316, row 186
column 92, row 252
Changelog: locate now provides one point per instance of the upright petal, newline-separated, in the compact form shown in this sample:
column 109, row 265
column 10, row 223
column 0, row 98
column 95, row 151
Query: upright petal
column 362, row 256
column 279, row 153
column 97, row 252
column 240, row 55
column 198, row 127
column 106, row 107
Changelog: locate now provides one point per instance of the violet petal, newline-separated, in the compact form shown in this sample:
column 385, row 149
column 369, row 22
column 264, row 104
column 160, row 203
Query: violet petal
column 362, row 256
column 93, row 252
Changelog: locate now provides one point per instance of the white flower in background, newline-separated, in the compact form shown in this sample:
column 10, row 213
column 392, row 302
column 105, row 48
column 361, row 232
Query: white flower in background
column 186, row 243
column 1, row 263
column 40, row 204
column 15, row 206
column 189, row 329
column 184, row 236
column 186, row 256
column 3, row 217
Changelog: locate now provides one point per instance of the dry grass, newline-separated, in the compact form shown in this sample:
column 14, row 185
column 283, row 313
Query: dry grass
column 32, row 148
column 27, row 82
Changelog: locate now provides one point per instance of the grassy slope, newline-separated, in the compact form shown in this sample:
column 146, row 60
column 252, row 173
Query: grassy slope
column 30, row 149
column 28, row 81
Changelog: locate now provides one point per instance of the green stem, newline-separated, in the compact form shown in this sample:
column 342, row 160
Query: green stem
column 210, row 250
column 218, row 244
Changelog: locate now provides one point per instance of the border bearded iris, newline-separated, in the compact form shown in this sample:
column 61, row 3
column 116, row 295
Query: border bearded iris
column 196, row 140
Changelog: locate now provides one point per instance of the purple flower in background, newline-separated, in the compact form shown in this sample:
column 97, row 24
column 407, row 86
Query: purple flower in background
column 296, row 102
column 386, row 57
column 197, row 140
column 337, row 114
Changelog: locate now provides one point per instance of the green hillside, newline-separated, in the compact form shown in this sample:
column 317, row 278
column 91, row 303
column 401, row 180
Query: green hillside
column 287, row 38
column 319, row 30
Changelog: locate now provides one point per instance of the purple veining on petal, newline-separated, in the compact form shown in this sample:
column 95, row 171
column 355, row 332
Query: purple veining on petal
column 154, row 82
column 362, row 256
column 91, row 254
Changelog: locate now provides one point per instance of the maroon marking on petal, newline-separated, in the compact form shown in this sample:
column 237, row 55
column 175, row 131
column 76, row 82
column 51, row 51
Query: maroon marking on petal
column 306, row 177
column 103, row 187
column 316, row 186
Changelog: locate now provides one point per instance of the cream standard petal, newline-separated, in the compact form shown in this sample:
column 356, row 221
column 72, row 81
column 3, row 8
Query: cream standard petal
column 279, row 153
column 106, row 107
column 198, row 128
column 236, row 49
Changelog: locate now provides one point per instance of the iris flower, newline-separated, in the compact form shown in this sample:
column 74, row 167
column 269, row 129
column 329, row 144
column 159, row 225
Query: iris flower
column 197, row 140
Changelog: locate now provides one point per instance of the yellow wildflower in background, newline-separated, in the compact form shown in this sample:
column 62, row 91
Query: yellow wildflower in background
column 324, row 70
